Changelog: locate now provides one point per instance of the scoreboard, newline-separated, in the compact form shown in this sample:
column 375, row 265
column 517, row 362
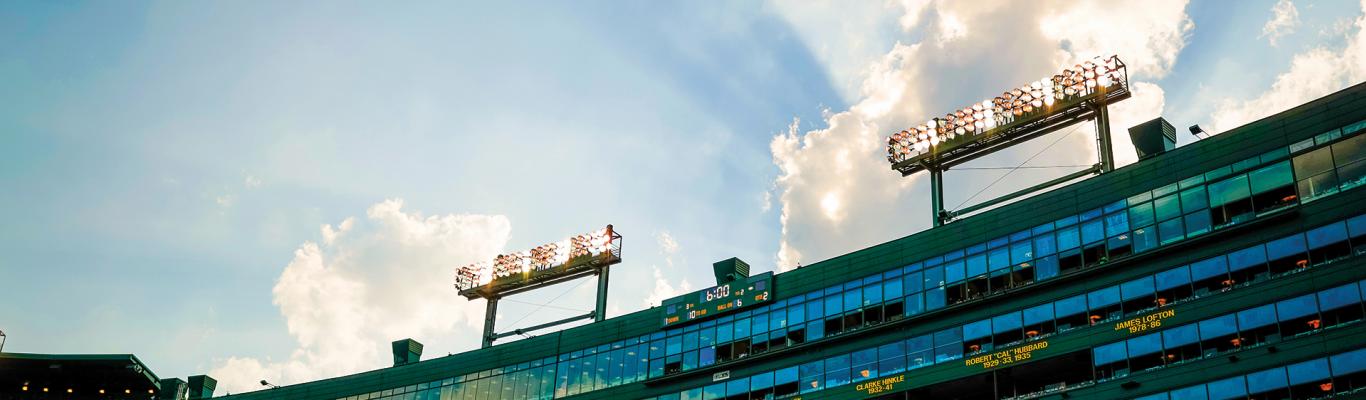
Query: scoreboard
column 718, row 300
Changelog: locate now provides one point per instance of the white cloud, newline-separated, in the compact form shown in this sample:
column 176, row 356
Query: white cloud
column 663, row 289
column 1312, row 74
column 835, row 189
column 224, row 201
column 371, row 281
column 1284, row 18
column 251, row 182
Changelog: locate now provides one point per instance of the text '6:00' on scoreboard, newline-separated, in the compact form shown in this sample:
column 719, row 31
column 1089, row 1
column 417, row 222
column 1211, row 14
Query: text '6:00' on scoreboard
column 718, row 300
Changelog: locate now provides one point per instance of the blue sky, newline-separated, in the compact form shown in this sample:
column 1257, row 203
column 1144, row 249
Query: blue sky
column 167, row 168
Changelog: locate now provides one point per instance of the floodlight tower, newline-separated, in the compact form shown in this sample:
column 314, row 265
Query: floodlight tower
column 1079, row 93
column 580, row 256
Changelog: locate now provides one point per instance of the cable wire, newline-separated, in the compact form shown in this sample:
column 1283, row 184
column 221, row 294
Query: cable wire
column 544, row 305
column 552, row 300
column 1022, row 164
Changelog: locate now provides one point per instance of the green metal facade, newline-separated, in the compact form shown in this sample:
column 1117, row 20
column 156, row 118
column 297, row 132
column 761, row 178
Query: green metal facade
column 1288, row 131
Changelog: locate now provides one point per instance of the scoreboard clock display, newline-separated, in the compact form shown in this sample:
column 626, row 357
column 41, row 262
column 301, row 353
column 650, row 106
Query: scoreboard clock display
column 718, row 300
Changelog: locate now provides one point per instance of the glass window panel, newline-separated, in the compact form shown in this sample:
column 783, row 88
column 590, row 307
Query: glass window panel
column 1154, row 396
column 934, row 276
column 1196, row 392
column 1142, row 215
column 811, row 374
column 1326, row 235
column 737, row 386
column 1313, row 163
column 853, row 299
column 837, row 370
column 872, row 294
column 1340, row 296
column 1006, row 322
column 1038, row 314
column 1208, row 268
column 1308, row 371
column 1137, row 288
column 1218, row 326
column 1194, row 199
column 815, row 309
column 1350, row 150
column 891, row 289
column 1349, row 362
column 1180, row 336
column 1166, row 208
column 1109, row 353
column 1256, row 317
column 1070, row 306
column 977, row 330
column 1172, row 278
column 1103, row 297
column 1068, row 238
column 1284, row 247
column 1264, row 381
column 1271, row 177
column 1197, row 223
column 1352, row 175
column 934, row 299
column 1046, row 267
column 1225, row 389
column 914, row 283
column 957, row 271
column 1144, row 345
column 760, row 381
column 1115, row 224
column 1228, row 190
column 1092, row 231
column 1254, row 256
column 1297, row 307
column 1023, row 251
column 742, row 329
column 998, row 259
column 1145, row 238
column 1319, row 185
column 1171, row 231
column 1045, row 245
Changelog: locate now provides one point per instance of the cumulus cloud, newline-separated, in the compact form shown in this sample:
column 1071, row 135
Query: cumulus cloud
column 834, row 187
column 370, row 281
column 1284, row 18
column 663, row 288
column 1313, row 73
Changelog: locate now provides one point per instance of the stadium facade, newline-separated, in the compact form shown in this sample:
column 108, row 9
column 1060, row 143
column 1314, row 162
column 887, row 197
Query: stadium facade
column 1231, row 267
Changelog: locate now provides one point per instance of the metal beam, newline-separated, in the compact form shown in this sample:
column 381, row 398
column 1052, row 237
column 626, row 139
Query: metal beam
column 1095, row 169
column 601, row 310
column 545, row 325
column 1107, row 153
column 490, row 311
column 937, row 196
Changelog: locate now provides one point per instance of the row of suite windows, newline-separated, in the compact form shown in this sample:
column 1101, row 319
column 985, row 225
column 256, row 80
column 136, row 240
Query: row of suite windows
column 1248, row 328
column 1078, row 311
column 1336, row 375
column 1332, row 308
column 1196, row 205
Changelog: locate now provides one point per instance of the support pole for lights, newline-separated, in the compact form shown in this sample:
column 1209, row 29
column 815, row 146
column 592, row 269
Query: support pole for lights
column 490, row 312
column 937, row 197
column 1107, row 153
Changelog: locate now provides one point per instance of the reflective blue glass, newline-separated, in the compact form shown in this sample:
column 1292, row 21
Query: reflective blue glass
column 1180, row 336
column 1068, row 238
column 1137, row 288
column 1194, row 199
column 1006, row 322
column 977, row 330
column 1327, row 235
column 1254, row 256
column 1196, row 392
column 998, row 259
column 1308, row 371
column 1144, row 345
column 1103, row 297
column 1218, row 326
column 977, row 265
column 956, row 271
column 1208, row 268
column 1045, row 244
column 1092, row 231
column 1038, row 314
column 1166, row 208
column 1297, row 307
column 1265, row 381
column 1349, row 362
column 1116, row 224
column 1021, row 252
column 1109, row 353
column 1226, row 389
column 1172, row 278
column 1257, row 317
column 1284, row 247
column 1141, row 215
column 1341, row 296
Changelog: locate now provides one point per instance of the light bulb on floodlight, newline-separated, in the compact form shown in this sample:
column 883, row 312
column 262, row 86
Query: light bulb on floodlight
column 1104, row 80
